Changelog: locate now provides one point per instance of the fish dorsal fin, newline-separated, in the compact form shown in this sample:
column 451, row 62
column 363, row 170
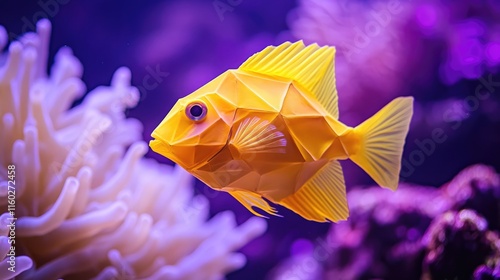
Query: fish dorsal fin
column 255, row 135
column 249, row 200
column 311, row 67
column 322, row 198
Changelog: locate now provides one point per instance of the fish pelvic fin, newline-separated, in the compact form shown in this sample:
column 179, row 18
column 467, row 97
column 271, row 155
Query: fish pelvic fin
column 376, row 145
column 311, row 67
column 250, row 199
column 322, row 198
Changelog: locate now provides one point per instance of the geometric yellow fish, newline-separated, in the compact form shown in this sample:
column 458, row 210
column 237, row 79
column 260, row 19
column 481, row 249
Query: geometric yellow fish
column 270, row 129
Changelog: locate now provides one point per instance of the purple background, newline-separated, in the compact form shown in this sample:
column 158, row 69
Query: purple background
column 440, row 51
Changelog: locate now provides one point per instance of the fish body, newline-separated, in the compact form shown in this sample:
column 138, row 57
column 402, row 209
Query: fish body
column 270, row 129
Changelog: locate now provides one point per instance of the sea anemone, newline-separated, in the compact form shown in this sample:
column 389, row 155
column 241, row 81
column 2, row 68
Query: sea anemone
column 86, row 201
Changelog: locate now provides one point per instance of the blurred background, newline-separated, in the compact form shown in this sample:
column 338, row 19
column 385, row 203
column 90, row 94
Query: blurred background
column 444, row 53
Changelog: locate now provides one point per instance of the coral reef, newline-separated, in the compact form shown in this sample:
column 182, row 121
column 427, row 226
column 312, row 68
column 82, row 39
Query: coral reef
column 88, row 205
column 457, row 244
column 419, row 232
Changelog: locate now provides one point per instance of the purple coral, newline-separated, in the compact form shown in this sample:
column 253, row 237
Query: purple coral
column 410, row 232
column 458, row 243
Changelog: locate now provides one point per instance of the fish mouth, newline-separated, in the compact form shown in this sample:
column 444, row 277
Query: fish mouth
column 161, row 147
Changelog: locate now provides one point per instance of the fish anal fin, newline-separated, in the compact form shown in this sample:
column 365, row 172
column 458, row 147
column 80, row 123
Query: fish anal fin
column 311, row 67
column 255, row 135
column 250, row 199
column 322, row 198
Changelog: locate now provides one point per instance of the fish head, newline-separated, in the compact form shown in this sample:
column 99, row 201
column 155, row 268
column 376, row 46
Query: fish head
column 195, row 129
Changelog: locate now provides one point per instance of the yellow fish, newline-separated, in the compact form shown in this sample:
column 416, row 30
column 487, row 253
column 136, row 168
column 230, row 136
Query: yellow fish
column 270, row 129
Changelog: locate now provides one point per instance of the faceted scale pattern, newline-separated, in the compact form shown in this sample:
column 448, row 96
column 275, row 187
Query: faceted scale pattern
column 298, row 117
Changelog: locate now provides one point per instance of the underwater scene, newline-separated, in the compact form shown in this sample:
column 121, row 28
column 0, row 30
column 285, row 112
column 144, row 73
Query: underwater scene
column 248, row 140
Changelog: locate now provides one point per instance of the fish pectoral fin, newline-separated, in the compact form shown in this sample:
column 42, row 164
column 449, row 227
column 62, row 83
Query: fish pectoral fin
column 312, row 67
column 250, row 199
column 322, row 198
column 255, row 135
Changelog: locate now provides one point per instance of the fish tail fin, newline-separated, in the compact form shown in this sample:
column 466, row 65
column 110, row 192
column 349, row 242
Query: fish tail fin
column 376, row 145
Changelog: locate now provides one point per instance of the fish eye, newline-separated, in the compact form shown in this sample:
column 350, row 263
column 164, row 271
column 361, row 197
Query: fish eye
column 196, row 111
